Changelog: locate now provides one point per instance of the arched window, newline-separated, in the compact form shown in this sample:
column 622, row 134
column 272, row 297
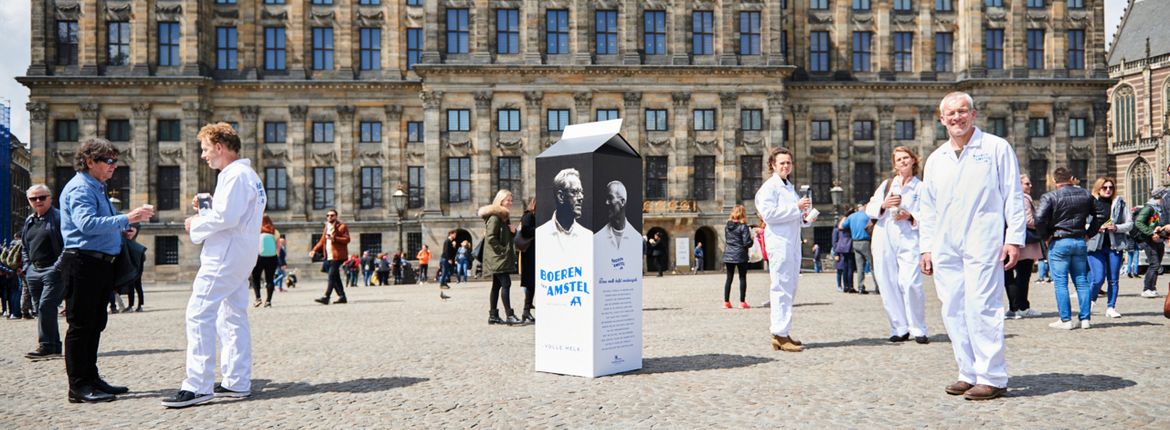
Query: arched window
column 1123, row 115
column 1141, row 182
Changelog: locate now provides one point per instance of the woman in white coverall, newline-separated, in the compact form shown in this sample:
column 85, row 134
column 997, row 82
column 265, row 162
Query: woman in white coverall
column 895, row 248
column 783, row 211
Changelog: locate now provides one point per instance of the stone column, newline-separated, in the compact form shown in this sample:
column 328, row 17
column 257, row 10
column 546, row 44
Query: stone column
column 583, row 101
column 430, row 52
column 481, row 180
column 1015, row 47
column 41, row 34
column 530, row 33
column 432, row 101
column 251, row 144
column 843, row 138
column 141, row 39
column 1100, row 135
column 298, row 169
column 394, row 175
column 927, row 119
column 776, row 100
column 582, row 31
column 630, row 30
column 1019, row 131
column 677, row 45
column 1058, row 140
column 679, row 164
column 41, row 160
column 728, row 104
column 189, row 38
column 725, row 43
column 344, row 143
column 885, row 139
column 632, row 118
column 250, row 40
column 772, row 27
column 481, row 31
column 296, row 37
column 535, row 142
column 969, row 57
column 393, row 41
column 87, row 38
column 89, row 121
column 193, row 177
column 344, row 42
column 799, row 136
column 842, row 45
column 884, row 39
column 145, row 169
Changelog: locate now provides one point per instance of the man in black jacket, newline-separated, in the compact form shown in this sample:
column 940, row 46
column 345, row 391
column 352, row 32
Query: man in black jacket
column 447, row 265
column 42, row 241
column 1061, row 219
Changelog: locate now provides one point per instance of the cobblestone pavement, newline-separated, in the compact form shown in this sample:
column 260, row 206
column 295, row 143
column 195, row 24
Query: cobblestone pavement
column 398, row 357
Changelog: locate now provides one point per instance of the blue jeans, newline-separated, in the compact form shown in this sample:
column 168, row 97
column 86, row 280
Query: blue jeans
column 1104, row 264
column 278, row 280
column 461, row 273
column 45, row 284
column 445, row 270
column 1042, row 271
column 1131, row 266
column 1069, row 257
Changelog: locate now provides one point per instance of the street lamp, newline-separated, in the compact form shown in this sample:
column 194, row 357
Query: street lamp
column 399, row 201
column 837, row 193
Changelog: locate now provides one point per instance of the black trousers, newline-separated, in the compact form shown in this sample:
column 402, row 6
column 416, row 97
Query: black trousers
column 137, row 289
column 265, row 266
column 1154, row 252
column 1017, row 280
column 88, row 282
column 502, row 282
column 335, row 279
column 731, row 268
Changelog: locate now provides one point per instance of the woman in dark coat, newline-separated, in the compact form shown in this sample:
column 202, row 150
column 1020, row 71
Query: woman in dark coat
column 737, row 239
column 499, row 254
column 528, row 259
column 658, row 251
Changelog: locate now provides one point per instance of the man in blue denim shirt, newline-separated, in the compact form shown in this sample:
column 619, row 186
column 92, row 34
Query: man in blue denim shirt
column 91, row 230
column 862, row 254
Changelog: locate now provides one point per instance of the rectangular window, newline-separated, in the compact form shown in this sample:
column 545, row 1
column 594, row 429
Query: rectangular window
column 862, row 51
column 703, row 32
column 61, row 176
column 749, row 33
column 168, row 44
column 751, row 119
column 457, row 31
column 370, row 2
column 944, row 5
column 67, row 43
column 170, row 130
column 166, row 250
column 1075, row 4
column 507, row 31
column 413, row 243
column 704, row 119
column 168, row 187
column 993, row 48
column 818, row 4
column 903, row 51
column 508, row 120
column 275, row 132
column 940, row 132
column 656, row 168
column 903, row 5
column 276, row 186
column 607, row 114
column 458, row 120
column 414, row 2
column 654, row 32
column 119, row 186
column 414, row 131
column 370, row 48
column 323, row 132
column 323, row 2
column 861, row 5
column 863, row 181
column 413, row 46
column 944, row 52
column 458, row 179
column 904, row 129
column 508, row 175
column 415, row 180
column 1079, row 168
column 1034, row 4
column 750, row 178
column 863, row 130
column 556, row 31
column 370, row 242
column 820, row 129
column 1038, row 168
column 1035, row 40
column 558, row 119
column 322, row 48
column 118, row 43
column 606, row 29
column 993, row 3
column 818, row 50
column 997, row 126
column 1037, row 127
column 656, row 120
column 1076, row 127
column 371, row 187
column 704, row 177
column 118, row 130
column 370, row 132
column 323, row 187
column 1076, row 49
column 274, row 48
column 226, row 50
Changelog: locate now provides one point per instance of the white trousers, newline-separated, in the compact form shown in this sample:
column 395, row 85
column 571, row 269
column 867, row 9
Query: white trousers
column 895, row 268
column 218, row 306
column 784, row 270
column 972, row 309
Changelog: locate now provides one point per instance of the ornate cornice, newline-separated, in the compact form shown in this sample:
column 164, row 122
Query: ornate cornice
column 778, row 72
column 583, row 99
column 431, row 99
column 483, row 99
column 680, row 98
column 534, row 98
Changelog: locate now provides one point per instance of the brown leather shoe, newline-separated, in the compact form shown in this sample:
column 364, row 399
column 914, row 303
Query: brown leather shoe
column 785, row 343
column 984, row 392
column 959, row 387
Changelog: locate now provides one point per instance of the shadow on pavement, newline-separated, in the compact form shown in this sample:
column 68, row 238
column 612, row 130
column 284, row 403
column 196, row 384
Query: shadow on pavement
column 138, row 352
column 1052, row 383
column 660, row 309
column 690, row 363
column 798, row 305
column 937, row 338
column 1124, row 324
column 264, row 389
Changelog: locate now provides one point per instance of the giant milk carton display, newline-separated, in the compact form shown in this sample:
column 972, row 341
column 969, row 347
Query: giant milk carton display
column 589, row 253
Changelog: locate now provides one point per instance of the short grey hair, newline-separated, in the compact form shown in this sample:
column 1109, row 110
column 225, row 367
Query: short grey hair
column 966, row 97
column 41, row 187
column 620, row 188
column 561, row 181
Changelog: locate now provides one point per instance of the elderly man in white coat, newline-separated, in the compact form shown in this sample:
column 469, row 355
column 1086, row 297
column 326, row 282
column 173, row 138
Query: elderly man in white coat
column 895, row 248
column 970, row 191
column 783, row 211
column 230, row 234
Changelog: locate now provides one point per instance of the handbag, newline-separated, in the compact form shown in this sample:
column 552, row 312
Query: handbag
column 1032, row 236
column 521, row 243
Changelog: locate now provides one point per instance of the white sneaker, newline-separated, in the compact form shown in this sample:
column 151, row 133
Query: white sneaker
column 1149, row 293
column 1063, row 325
column 1112, row 313
column 1028, row 313
column 1084, row 324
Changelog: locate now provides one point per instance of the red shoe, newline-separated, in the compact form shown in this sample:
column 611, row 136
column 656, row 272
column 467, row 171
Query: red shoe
column 726, row 305
column 744, row 305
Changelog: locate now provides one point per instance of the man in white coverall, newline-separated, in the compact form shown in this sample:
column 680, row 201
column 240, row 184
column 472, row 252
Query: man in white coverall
column 894, row 206
column 783, row 211
column 970, row 191
column 230, row 234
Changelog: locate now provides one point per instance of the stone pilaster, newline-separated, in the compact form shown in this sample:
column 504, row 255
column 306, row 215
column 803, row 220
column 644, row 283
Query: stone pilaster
column 394, row 175
column 297, row 170
column 1019, row 131
column 189, row 38
column 482, row 16
column 772, row 28
column 296, row 41
column 630, row 32
column 535, row 144
column 927, row 120
column 530, row 34
column 677, row 36
column 482, row 190
column 725, row 43
column 345, row 143
column 41, row 161
column 250, row 40
column 1058, row 140
column 844, row 137
column 251, row 145
column 193, row 177
column 885, row 139
column 632, row 118
column 41, row 32
column 145, row 169
column 799, row 132
column 583, row 101
column 87, row 38
column 582, row 25
column 345, row 40
column 430, row 52
column 140, row 29
column 1100, row 143
column 89, row 121
column 1014, row 40
column 728, row 104
column 678, row 163
column 432, row 101
column 776, row 100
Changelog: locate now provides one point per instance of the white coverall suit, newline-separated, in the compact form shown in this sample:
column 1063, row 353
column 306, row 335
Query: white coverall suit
column 230, row 234
column 776, row 202
column 896, row 256
column 965, row 203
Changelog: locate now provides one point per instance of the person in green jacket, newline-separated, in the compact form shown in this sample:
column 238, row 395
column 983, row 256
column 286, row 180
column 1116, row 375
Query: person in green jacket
column 499, row 254
column 1150, row 225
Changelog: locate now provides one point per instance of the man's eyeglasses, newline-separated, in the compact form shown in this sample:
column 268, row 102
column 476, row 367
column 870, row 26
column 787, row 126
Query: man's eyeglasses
column 108, row 160
column 38, row 198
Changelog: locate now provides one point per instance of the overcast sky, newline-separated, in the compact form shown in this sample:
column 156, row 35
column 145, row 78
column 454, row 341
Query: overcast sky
column 15, row 24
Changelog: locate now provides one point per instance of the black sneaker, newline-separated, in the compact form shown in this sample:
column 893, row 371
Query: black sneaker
column 340, row 301
column 220, row 391
column 186, row 398
column 41, row 353
column 322, row 300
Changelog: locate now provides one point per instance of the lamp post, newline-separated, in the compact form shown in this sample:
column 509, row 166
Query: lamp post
column 399, row 201
column 837, row 193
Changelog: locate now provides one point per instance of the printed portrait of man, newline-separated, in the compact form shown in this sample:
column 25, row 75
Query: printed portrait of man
column 618, row 243
column 562, row 233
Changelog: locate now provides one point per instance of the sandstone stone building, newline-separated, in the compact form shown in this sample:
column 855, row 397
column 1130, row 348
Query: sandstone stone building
column 340, row 102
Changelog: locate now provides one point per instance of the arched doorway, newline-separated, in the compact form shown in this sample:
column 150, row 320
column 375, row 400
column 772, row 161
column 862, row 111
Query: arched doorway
column 710, row 240
column 652, row 262
column 462, row 235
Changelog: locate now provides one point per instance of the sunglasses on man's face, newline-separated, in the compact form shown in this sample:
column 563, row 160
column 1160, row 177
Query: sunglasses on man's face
column 108, row 160
column 37, row 198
